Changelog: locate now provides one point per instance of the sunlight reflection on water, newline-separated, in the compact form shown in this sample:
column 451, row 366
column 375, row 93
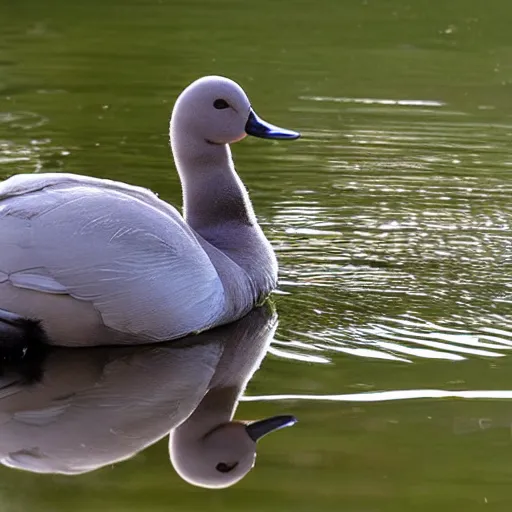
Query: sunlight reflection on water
column 382, row 396
column 400, row 244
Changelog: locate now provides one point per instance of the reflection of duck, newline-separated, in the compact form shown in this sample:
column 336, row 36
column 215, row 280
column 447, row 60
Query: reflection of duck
column 92, row 407
column 97, row 261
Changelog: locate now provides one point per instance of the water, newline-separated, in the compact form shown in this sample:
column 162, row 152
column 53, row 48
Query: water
column 390, row 217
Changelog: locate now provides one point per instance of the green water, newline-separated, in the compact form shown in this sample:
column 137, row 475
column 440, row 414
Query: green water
column 391, row 219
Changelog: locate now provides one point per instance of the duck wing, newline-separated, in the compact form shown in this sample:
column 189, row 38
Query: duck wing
column 94, row 259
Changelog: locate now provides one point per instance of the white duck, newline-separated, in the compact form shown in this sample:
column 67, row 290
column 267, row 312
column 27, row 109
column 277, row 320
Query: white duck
column 101, row 262
column 91, row 407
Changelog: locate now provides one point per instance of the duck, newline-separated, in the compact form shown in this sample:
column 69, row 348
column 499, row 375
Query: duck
column 88, row 261
column 76, row 410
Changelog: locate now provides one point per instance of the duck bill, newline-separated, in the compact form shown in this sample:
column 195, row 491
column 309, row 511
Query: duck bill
column 258, row 429
column 256, row 127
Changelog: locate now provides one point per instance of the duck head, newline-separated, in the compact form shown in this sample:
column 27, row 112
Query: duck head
column 217, row 110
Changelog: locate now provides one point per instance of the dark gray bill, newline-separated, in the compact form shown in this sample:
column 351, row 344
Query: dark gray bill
column 261, row 428
column 258, row 128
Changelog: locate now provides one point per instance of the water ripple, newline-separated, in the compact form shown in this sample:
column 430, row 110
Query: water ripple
column 409, row 340
column 376, row 101
column 384, row 396
column 399, row 247
column 39, row 155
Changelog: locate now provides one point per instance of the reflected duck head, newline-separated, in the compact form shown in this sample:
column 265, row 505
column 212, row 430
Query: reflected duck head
column 223, row 456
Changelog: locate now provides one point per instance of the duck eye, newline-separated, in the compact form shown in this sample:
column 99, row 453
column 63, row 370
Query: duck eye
column 220, row 104
column 225, row 468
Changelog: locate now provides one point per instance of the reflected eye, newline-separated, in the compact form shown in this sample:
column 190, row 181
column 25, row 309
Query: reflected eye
column 225, row 468
column 220, row 104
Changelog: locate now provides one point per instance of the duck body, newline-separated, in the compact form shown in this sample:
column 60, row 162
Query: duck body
column 102, row 262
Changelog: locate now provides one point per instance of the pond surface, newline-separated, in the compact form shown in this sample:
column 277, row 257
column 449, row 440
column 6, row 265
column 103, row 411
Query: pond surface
column 390, row 217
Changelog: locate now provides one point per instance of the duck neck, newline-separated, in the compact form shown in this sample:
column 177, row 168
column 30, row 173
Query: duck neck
column 217, row 207
column 216, row 408
column 213, row 193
